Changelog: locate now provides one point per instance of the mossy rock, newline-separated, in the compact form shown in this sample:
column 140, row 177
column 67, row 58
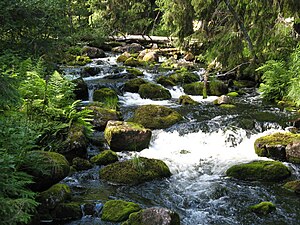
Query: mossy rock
column 156, row 117
column 81, row 164
column 227, row 106
column 184, row 77
column 259, row 171
column 263, row 208
column 76, row 143
column 195, row 88
column 134, row 85
column 233, row 94
column 217, row 88
column 122, row 58
column 47, row 168
column 244, row 83
column 104, row 158
column 134, row 62
column 274, row 145
column 293, row 186
column 127, row 136
column 56, row 194
column 90, row 71
column 80, row 61
column 165, row 81
column 67, row 211
column 118, row 210
column 187, row 100
column 93, row 52
column 293, row 152
column 134, row 71
column 153, row 216
column 102, row 115
column 135, row 171
column 81, row 90
column 105, row 95
column 154, row 92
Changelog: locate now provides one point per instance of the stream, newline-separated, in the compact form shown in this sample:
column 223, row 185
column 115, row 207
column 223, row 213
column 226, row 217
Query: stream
column 198, row 151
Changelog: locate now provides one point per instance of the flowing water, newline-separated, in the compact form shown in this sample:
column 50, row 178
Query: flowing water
column 198, row 151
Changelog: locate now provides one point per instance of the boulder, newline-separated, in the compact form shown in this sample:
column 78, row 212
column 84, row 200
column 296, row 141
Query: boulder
column 154, row 92
column 127, row 136
column 156, row 117
column 133, row 62
column 93, row 52
column 132, row 48
column 223, row 99
column 102, row 115
column 105, row 95
column 195, row 88
column 259, row 171
column 151, row 57
column 76, row 143
column 134, row 85
column 81, row 90
column 134, row 171
column 217, row 88
column 189, row 57
column 293, row 186
column 122, row 58
column 165, row 81
column 81, row 164
column 90, row 71
column 46, row 168
column 67, row 211
column 134, row 71
column 186, row 100
column 293, row 152
column 227, row 106
column 118, row 210
column 263, row 208
column 104, row 158
column 274, row 146
column 182, row 77
column 233, row 94
column 153, row 216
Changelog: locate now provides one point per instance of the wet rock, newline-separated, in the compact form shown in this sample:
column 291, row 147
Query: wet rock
column 151, row 57
column 105, row 95
column 90, row 71
column 182, row 77
column 165, row 81
column 122, row 58
column 81, row 164
column 153, row 216
column 223, row 99
column 93, row 52
column 263, row 208
column 48, row 168
column 81, row 90
column 244, row 83
column 293, row 186
column 293, row 152
column 67, row 211
column 154, row 92
column 227, row 106
column 259, row 171
column 131, row 48
column 189, row 57
column 135, row 171
column 102, row 115
column 134, row 71
column 118, row 210
column 195, row 88
column 133, row 62
column 217, row 88
column 156, row 117
column 127, row 136
column 134, row 85
column 104, row 158
column 187, row 100
column 274, row 146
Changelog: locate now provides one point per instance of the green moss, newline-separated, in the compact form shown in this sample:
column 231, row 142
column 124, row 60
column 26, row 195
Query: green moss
column 259, row 171
column 81, row 60
column 104, row 95
column 165, row 81
column 104, row 158
column 135, row 71
column 118, row 210
column 244, row 83
column 134, row 85
column 195, row 88
column 227, row 106
column 122, row 58
column 156, row 117
column 154, row 92
column 184, row 77
column 81, row 164
column 233, row 94
column 293, row 186
column 67, row 211
column 126, row 173
column 186, row 100
column 134, row 62
column 134, row 219
column 273, row 146
column 263, row 208
column 217, row 88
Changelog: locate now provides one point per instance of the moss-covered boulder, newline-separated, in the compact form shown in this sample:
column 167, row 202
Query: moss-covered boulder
column 127, row 136
column 133, row 62
column 263, row 208
column 135, row 171
column 293, row 152
column 76, row 143
column 81, row 164
column 259, row 171
column 153, row 216
column 187, row 100
column 118, row 210
column 102, row 115
column 195, row 88
column 47, row 168
column 156, row 117
column 134, row 71
column 227, row 106
column 122, row 58
column 56, row 194
column 293, row 186
column 105, row 95
column 154, row 92
column 223, row 99
column 216, row 87
column 165, row 81
column 184, row 77
column 104, row 158
column 134, row 85
column 274, row 145
column 131, row 48
column 151, row 57
column 89, row 71
column 67, row 211
column 93, row 52
column 233, row 94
